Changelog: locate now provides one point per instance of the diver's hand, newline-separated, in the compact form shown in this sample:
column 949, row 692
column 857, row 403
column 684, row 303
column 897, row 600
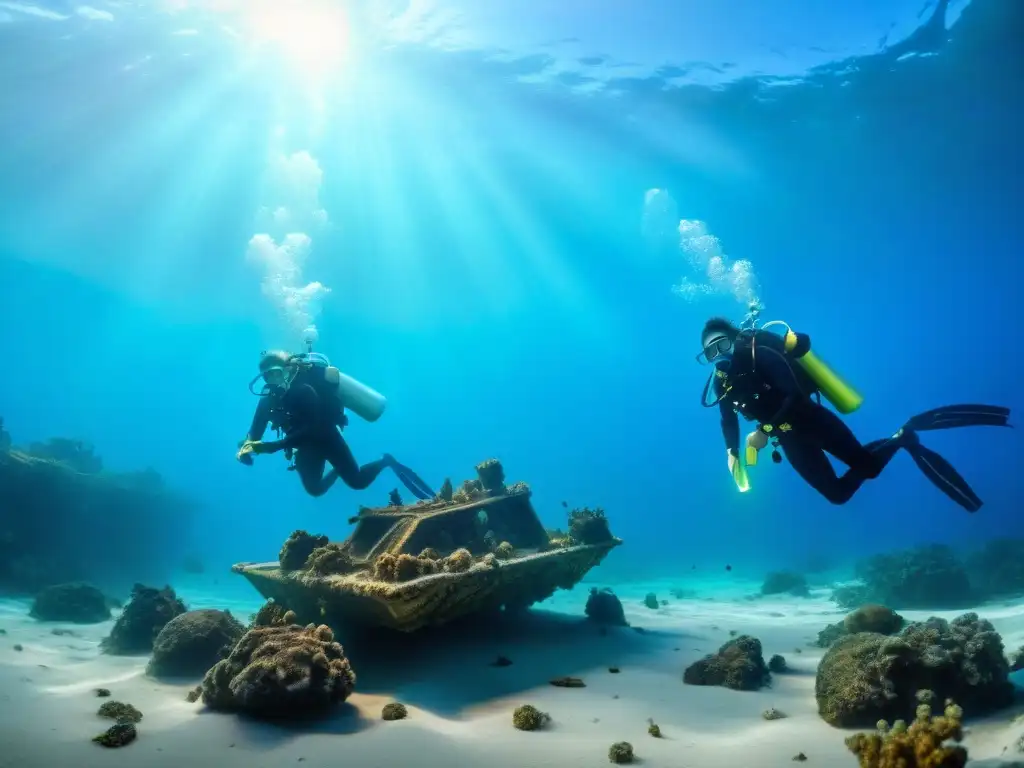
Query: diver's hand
column 246, row 451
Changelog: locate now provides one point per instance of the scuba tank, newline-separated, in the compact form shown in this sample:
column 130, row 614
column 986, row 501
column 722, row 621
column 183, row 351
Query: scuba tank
column 366, row 402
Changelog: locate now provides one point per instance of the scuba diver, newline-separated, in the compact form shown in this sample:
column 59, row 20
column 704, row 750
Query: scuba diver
column 778, row 382
column 305, row 397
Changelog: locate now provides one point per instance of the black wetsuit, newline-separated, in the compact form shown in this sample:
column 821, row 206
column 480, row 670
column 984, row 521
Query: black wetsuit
column 763, row 383
column 311, row 425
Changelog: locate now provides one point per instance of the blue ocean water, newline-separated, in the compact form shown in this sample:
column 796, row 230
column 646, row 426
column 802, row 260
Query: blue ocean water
column 478, row 206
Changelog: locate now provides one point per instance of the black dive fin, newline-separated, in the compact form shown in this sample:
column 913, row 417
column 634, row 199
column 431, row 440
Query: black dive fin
column 413, row 482
column 968, row 415
column 944, row 477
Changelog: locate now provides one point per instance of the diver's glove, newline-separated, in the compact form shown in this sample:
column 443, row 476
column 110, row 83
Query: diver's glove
column 738, row 472
column 247, row 450
column 756, row 440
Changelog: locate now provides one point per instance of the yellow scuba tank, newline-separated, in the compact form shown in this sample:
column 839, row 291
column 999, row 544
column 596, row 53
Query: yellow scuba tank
column 834, row 389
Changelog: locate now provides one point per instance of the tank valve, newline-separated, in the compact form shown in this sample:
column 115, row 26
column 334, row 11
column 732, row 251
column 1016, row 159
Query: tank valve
column 310, row 337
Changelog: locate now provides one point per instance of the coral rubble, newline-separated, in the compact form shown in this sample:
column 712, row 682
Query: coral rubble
column 117, row 735
column 119, row 711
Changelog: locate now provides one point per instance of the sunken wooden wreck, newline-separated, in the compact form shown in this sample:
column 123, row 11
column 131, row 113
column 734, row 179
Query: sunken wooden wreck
column 477, row 549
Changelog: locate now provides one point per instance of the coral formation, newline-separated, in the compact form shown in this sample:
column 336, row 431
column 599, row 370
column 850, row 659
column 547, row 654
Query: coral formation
column 77, row 603
column 64, row 508
column 119, row 711
column 117, row 735
column 603, row 607
column 492, row 477
column 272, row 614
column 394, row 711
column 866, row 677
column 403, row 567
column 490, row 560
column 589, row 526
column 504, row 551
column 773, row 714
column 470, row 490
column 297, row 548
column 147, row 612
column 653, row 728
column 280, row 672
column 873, row 618
column 777, row 664
column 192, row 642
column 868, row 618
column 77, row 455
column 1017, row 662
column 458, row 561
column 394, row 498
column 651, row 601
column 329, row 560
column 997, row 569
column 924, row 578
column 528, row 718
column 446, row 492
column 785, row 582
column 922, row 745
column 739, row 664
column 621, row 752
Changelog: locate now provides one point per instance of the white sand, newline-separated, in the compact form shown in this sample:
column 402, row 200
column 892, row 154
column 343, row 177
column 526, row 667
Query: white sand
column 460, row 706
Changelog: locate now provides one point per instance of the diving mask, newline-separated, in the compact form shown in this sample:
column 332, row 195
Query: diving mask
column 274, row 378
column 715, row 349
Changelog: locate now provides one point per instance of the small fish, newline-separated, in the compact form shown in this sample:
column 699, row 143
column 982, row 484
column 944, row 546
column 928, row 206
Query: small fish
column 565, row 504
column 728, row 567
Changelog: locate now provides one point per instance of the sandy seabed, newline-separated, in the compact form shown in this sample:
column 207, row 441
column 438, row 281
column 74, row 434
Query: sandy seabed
column 460, row 705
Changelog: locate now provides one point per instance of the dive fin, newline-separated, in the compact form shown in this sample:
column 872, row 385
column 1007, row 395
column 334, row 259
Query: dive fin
column 952, row 416
column 413, row 482
column 944, row 477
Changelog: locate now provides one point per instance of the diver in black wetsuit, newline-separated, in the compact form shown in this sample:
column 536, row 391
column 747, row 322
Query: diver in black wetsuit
column 297, row 402
column 756, row 376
